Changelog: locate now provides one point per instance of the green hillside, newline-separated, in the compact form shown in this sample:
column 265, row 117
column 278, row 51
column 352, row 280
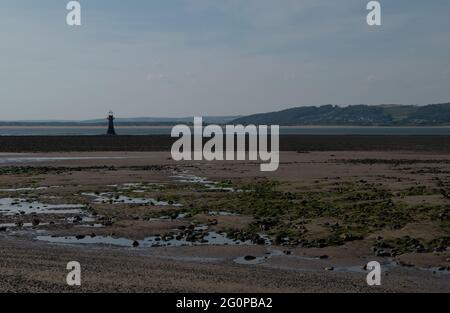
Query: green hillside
column 356, row 115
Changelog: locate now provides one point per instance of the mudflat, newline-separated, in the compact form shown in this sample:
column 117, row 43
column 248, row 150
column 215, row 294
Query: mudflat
column 139, row 221
column 164, row 143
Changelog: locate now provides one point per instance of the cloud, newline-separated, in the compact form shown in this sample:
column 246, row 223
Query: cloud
column 185, row 57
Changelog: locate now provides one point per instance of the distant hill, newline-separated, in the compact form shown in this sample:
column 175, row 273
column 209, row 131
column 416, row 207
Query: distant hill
column 355, row 115
column 133, row 121
column 325, row 115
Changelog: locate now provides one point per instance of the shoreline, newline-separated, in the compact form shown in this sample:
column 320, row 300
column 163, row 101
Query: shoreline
column 303, row 143
column 118, row 126
column 93, row 207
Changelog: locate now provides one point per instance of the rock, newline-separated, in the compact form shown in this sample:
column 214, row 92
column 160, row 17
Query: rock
column 93, row 235
column 3, row 229
column 324, row 256
column 36, row 222
column 19, row 224
column 350, row 237
column 383, row 253
column 167, row 237
column 79, row 237
column 287, row 252
column 249, row 257
column 135, row 244
column 260, row 241
column 213, row 222
column 329, row 268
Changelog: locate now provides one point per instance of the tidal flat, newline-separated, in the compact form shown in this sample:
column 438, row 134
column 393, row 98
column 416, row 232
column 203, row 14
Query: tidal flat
column 139, row 221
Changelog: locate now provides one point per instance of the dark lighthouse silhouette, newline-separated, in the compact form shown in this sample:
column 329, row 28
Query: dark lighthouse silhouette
column 111, row 131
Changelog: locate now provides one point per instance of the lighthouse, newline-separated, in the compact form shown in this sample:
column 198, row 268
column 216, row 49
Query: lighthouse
column 111, row 130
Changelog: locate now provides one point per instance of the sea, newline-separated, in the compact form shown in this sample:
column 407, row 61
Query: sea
column 166, row 130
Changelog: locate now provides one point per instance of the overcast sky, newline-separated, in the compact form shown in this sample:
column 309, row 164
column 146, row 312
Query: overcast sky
column 218, row 57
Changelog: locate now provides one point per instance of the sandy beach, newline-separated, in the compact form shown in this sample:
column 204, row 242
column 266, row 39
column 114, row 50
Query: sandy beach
column 138, row 221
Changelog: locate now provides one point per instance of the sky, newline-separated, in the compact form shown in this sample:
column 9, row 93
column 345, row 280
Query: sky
column 217, row 57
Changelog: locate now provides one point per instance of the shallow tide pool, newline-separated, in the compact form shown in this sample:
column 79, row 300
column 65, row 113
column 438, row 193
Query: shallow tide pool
column 12, row 206
column 211, row 238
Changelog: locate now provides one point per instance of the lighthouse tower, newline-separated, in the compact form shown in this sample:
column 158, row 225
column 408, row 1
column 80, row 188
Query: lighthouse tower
column 111, row 130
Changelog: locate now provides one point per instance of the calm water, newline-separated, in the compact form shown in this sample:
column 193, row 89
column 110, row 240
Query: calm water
column 163, row 130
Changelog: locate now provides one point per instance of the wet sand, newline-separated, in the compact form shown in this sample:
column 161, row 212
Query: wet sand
column 217, row 197
column 164, row 143
column 37, row 267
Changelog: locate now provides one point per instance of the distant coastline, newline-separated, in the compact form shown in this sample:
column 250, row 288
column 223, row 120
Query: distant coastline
column 83, row 127
column 361, row 115
column 166, row 130
column 356, row 115
column 170, row 125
